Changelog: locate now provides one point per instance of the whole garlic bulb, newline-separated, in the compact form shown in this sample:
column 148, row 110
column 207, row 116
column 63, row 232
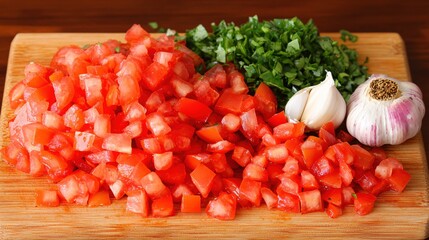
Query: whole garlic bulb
column 384, row 110
column 317, row 105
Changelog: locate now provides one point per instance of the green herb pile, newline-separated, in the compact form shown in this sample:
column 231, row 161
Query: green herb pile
column 286, row 54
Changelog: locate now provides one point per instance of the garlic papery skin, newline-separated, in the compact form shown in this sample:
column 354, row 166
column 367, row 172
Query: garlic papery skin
column 317, row 105
column 383, row 110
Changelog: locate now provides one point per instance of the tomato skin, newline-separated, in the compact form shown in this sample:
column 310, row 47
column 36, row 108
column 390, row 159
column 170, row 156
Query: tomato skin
column 364, row 203
column 162, row 206
column 312, row 151
column 334, row 211
column 333, row 196
column 154, row 75
column 135, row 34
column 202, row 177
column 363, row 159
column 100, row 198
column 190, row 204
column 193, row 109
column 222, row 207
column 399, row 180
column 210, row 134
column 266, row 101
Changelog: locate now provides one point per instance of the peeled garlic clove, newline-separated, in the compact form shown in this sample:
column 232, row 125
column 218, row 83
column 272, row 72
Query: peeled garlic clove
column 317, row 105
column 384, row 110
column 324, row 104
column 296, row 104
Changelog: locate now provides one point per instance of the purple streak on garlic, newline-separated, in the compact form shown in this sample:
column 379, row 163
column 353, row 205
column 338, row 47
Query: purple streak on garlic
column 384, row 110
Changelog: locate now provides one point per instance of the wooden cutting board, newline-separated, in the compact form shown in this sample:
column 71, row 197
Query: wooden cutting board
column 403, row 216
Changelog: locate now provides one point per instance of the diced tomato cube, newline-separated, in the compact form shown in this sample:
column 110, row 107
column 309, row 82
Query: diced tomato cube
column 181, row 87
column 366, row 181
column 135, row 34
column 291, row 167
column 322, row 167
column 290, row 184
column 222, row 207
column 163, row 206
column 190, row 204
column 100, row 198
column 269, row 197
column 216, row 75
column 364, row 203
column 117, row 142
column 333, row 196
column 255, row 172
column 69, row 188
column 205, row 93
column 287, row 202
column 231, row 122
column 52, row 120
column 83, row 141
column 399, row 180
column 64, row 92
column 193, row 109
column 210, row 134
column 163, row 161
column 363, row 159
column 202, row 177
column 229, row 102
column 348, row 195
column 344, row 152
column 223, row 146
column 73, row 118
column 117, row 188
column 311, row 201
column 334, row 211
column 266, row 101
column 332, row 180
column 312, row 152
column 241, row 155
column 153, row 185
column 277, row 153
column 386, row 166
column 138, row 202
column 251, row 190
column 176, row 174
column 308, row 181
column 47, row 198
column 154, row 75
column 156, row 123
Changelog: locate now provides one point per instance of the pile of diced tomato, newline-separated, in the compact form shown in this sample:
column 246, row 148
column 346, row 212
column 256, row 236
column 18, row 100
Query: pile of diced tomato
column 135, row 120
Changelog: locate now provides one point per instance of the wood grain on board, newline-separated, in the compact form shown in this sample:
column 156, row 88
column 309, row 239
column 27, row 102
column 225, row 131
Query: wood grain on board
column 401, row 216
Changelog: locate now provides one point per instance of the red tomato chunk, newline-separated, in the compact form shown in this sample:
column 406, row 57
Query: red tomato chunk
column 136, row 120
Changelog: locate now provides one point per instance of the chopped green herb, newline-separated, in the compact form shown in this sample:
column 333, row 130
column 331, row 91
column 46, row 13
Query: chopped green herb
column 286, row 54
column 117, row 49
column 153, row 25
column 346, row 35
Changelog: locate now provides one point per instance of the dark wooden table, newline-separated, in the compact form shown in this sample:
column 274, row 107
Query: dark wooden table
column 409, row 18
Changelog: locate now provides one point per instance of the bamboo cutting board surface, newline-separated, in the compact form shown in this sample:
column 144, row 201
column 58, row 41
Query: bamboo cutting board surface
column 403, row 216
